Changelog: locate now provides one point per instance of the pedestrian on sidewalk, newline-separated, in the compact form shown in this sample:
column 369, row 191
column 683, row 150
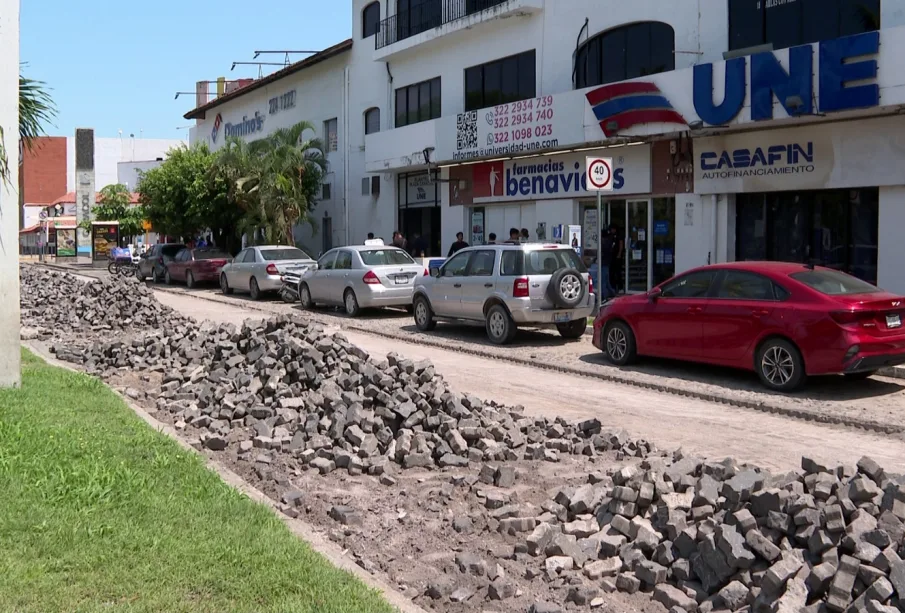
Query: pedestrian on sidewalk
column 607, row 250
column 459, row 245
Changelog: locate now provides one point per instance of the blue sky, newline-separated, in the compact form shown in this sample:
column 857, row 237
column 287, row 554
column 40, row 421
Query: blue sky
column 115, row 65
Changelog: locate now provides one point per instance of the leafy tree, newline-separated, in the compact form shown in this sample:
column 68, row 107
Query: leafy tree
column 115, row 204
column 274, row 181
column 36, row 110
column 183, row 197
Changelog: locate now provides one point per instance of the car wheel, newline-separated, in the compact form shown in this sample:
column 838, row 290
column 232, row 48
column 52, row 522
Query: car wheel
column 860, row 376
column 779, row 365
column 619, row 344
column 224, row 285
column 573, row 329
column 167, row 278
column 111, row 268
column 254, row 289
column 155, row 276
column 500, row 327
column 189, row 280
column 305, row 297
column 139, row 275
column 424, row 315
column 350, row 300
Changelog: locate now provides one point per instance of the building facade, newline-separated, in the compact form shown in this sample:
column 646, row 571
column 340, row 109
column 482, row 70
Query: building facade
column 738, row 129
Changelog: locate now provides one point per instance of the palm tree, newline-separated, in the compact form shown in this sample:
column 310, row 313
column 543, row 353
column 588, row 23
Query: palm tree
column 36, row 109
column 275, row 181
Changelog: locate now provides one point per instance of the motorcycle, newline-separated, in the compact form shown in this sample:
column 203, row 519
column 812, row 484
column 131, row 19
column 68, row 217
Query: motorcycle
column 289, row 291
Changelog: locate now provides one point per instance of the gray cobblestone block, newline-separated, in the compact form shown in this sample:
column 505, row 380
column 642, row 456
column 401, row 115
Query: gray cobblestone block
column 707, row 491
column 764, row 501
column 869, row 467
column 740, row 487
column 733, row 546
column 598, row 569
column 673, row 598
column 650, row 572
column 879, row 591
column 540, row 538
column 834, row 518
column 628, row 582
column 733, row 596
column 819, row 579
column 839, row 595
column 744, row 521
column 777, row 575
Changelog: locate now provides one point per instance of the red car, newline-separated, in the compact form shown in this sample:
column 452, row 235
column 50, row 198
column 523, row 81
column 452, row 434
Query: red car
column 196, row 266
column 784, row 321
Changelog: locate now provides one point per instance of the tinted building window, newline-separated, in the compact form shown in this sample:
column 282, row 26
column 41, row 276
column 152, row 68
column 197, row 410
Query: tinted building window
column 372, row 121
column 418, row 102
column 787, row 24
column 370, row 20
column 627, row 52
column 501, row 81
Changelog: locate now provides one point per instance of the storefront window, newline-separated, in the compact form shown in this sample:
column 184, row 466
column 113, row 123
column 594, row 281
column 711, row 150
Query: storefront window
column 664, row 232
column 419, row 213
column 834, row 228
column 787, row 24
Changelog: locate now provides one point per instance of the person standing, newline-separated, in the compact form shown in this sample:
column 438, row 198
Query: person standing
column 457, row 246
column 607, row 249
column 526, row 236
column 514, row 235
column 491, row 238
column 399, row 240
column 617, row 268
column 419, row 246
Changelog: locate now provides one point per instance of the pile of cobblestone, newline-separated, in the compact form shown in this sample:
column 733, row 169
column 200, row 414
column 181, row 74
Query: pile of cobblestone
column 705, row 536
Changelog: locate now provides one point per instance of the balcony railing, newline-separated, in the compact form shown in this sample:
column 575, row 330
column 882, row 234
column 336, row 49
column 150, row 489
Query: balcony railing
column 428, row 15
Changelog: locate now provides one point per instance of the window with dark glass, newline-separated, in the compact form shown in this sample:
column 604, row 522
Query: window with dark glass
column 418, row 102
column 692, row 285
column 787, row 24
column 626, row 52
column 510, row 79
column 370, row 20
column 372, row 121
column 416, row 16
column 743, row 285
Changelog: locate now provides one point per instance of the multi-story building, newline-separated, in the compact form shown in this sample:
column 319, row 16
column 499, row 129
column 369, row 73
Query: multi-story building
column 738, row 129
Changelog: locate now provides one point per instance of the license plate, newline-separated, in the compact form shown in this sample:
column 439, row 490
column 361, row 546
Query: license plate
column 402, row 279
column 561, row 318
column 894, row 321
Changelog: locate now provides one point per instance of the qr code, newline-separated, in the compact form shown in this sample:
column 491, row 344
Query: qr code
column 467, row 130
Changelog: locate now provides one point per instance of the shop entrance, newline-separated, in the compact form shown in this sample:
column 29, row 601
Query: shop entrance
column 644, row 255
column 834, row 228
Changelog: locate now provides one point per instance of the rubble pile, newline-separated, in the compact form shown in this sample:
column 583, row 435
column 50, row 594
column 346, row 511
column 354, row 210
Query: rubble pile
column 705, row 536
column 62, row 303
column 287, row 385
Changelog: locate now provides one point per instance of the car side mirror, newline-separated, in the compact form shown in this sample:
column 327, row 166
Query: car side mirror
column 435, row 272
column 654, row 294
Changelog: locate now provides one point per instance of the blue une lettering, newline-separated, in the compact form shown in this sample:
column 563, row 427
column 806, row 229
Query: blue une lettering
column 794, row 89
column 561, row 182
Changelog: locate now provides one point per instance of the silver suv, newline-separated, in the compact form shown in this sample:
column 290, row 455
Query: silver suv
column 507, row 286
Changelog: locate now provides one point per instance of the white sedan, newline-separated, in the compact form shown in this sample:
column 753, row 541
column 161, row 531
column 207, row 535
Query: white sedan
column 259, row 269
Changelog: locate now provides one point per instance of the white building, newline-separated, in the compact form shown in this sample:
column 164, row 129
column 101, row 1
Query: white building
column 738, row 129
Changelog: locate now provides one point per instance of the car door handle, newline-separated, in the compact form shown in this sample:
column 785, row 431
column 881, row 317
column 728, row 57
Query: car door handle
column 695, row 309
column 488, row 285
column 760, row 313
column 457, row 285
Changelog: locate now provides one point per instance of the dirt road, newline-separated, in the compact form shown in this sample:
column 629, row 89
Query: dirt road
column 669, row 421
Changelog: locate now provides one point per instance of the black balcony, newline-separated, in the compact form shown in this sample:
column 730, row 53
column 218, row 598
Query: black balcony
column 425, row 15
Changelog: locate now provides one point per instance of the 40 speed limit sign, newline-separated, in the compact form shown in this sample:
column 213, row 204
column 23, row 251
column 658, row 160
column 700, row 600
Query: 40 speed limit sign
column 600, row 174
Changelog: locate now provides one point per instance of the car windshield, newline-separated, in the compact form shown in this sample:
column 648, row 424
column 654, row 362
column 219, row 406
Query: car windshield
column 385, row 257
column 548, row 261
column 284, row 253
column 207, row 254
column 171, row 250
column 834, row 283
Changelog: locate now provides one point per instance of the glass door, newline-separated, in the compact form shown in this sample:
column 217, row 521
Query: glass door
column 638, row 246
column 616, row 218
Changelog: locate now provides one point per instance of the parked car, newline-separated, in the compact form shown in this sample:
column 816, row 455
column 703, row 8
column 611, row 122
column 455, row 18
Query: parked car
column 152, row 263
column 257, row 270
column 784, row 321
column 193, row 266
column 361, row 277
column 508, row 286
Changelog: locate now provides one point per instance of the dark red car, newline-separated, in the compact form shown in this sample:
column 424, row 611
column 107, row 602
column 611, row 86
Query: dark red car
column 193, row 266
column 784, row 321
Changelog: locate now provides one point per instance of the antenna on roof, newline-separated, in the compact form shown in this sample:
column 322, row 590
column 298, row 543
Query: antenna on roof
column 286, row 54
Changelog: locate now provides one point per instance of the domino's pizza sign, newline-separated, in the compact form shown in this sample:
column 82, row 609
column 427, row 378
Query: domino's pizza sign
column 838, row 64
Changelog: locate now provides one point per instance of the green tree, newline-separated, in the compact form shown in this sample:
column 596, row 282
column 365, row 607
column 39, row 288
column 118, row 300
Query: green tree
column 274, row 181
column 184, row 196
column 114, row 203
column 36, row 111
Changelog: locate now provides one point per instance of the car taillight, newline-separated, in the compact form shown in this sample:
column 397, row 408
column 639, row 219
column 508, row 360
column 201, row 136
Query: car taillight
column 590, row 284
column 426, row 273
column 272, row 269
column 848, row 318
column 520, row 288
column 370, row 278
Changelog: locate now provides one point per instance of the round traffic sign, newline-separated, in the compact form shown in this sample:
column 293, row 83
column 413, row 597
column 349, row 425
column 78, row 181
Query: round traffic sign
column 599, row 173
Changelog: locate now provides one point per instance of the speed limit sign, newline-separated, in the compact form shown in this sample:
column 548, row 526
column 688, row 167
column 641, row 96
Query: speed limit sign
column 600, row 174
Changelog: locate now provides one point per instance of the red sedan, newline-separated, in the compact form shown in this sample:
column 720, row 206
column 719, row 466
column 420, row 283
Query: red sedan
column 193, row 266
column 784, row 321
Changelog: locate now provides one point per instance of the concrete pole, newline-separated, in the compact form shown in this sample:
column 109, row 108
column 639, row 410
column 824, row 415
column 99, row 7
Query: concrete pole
column 10, row 362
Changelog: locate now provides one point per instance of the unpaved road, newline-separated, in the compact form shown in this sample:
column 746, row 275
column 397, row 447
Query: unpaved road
column 667, row 420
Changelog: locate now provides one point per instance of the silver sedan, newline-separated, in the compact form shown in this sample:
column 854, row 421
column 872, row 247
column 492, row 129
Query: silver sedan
column 257, row 270
column 361, row 277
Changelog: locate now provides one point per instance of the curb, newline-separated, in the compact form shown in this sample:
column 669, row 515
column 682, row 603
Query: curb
column 299, row 528
column 420, row 339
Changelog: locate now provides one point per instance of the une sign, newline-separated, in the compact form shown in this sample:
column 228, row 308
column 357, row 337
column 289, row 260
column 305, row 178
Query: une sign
column 793, row 89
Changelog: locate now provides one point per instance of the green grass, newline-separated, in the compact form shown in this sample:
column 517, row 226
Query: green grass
column 100, row 513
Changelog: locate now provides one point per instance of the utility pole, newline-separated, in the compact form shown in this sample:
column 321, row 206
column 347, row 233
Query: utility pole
column 10, row 358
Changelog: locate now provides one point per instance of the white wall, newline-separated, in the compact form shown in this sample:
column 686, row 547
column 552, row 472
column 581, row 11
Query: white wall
column 890, row 269
column 109, row 152
column 127, row 173
column 10, row 375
